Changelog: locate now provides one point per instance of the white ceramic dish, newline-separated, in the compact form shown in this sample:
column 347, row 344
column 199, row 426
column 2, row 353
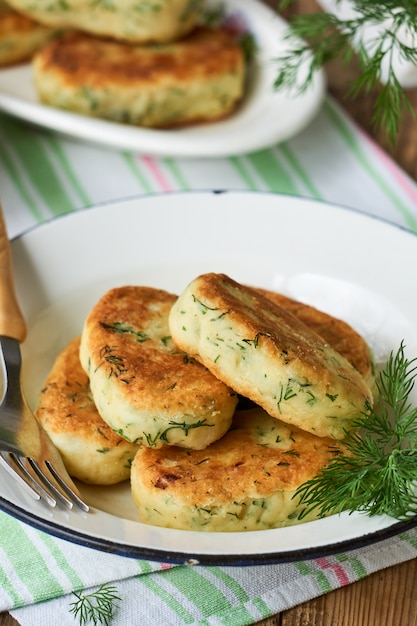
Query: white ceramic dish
column 264, row 118
column 335, row 258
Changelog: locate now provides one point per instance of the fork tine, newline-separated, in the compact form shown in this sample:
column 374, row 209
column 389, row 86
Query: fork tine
column 75, row 499
column 57, row 495
column 5, row 463
column 17, row 464
column 45, row 489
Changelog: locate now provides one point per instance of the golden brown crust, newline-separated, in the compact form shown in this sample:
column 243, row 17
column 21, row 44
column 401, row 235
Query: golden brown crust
column 245, row 481
column 267, row 354
column 157, row 86
column 143, row 386
column 342, row 337
column 91, row 450
column 82, row 60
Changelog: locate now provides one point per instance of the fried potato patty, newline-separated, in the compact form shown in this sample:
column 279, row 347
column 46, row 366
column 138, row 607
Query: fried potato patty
column 139, row 21
column 245, row 481
column 198, row 79
column 267, row 354
column 337, row 333
column 144, row 387
column 20, row 37
column 91, row 451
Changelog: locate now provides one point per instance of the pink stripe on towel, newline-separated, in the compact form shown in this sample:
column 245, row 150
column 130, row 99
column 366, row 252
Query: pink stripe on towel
column 157, row 173
column 337, row 569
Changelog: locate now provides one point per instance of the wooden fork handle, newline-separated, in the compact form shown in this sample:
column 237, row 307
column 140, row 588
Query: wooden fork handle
column 12, row 322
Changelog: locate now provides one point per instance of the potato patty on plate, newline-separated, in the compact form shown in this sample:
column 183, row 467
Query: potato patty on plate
column 267, row 354
column 245, row 481
column 20, row 36
column 198, row 79
column 139, row 21
column 144, row 387
column 90, row 449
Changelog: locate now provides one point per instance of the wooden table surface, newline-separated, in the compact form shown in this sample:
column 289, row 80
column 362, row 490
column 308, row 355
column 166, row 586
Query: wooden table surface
column 388, row 597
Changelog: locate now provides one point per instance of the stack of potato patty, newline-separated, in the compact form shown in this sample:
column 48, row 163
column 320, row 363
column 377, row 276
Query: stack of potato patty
column 231, row 398
column 150, row 63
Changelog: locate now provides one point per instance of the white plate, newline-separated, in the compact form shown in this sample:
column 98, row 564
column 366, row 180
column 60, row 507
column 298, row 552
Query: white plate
column 264, row 118
column 336, row 258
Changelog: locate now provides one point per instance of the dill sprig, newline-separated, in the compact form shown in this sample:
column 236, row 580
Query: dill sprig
column 96, row 607
column 317, row 38
column 377, row 473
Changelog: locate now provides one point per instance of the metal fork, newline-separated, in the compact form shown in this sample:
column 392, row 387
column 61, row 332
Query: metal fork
column 26, row 451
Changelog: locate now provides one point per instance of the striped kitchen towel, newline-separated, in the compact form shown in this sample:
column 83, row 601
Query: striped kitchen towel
column 43, row 175
column 159, row 595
